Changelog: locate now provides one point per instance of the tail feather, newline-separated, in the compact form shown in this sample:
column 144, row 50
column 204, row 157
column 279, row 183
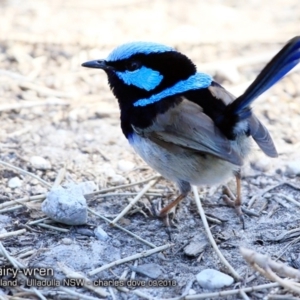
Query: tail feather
column 284, row 61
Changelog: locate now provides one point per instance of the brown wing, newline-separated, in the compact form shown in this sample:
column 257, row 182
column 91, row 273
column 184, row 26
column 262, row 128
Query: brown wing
column 188, row 127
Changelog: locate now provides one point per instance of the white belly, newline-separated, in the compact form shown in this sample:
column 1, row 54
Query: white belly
column 183, row 165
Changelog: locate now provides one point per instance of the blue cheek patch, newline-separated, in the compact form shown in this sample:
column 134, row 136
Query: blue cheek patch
column 194, row 82
column 143, row 78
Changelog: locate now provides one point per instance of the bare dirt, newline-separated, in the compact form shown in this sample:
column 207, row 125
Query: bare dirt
column 52, row 108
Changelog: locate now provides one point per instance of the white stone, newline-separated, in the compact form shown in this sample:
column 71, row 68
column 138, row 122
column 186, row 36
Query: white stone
column 40, row 163
column 100, row 234
column 66, row 206
column 14, row 182
column 293, row 168
column 125, row 165
column 213, row 279
column 118, row 180
column 192, row 292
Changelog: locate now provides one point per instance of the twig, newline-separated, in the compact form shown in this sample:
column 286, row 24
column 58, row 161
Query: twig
column 11, row 259
column 12, row 233
column 78, row 295
column 89, row 196
column 213, row 220
column 29, row 104
column 283, row 282
column 87, row 283
column 42, row 90
column 289, row 199
column 232, row 292
column 17, row 206
column 130, row 258
column 16, row 264
column 21, row 200
column 294, row 241
column 267, row 267
column 38, row 221
column 10, row 166
column 127, row 195
column 265, row 261
column 260, row 194
column 60, row 177
column 28, row 253
column 123, row 229
column 210, row 237
column 53, row 227
column 281, row 297
column 136, row 199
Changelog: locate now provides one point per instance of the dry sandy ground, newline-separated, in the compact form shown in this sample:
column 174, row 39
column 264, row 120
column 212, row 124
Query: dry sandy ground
column 52, row 108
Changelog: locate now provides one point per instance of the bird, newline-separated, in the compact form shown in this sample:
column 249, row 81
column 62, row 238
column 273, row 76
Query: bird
column 183, row 123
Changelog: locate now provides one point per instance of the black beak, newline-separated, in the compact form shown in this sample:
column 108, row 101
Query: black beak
column 96, row 64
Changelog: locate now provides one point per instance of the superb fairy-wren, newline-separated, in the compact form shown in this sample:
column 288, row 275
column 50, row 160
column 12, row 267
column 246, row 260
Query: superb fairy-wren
column 181, row 122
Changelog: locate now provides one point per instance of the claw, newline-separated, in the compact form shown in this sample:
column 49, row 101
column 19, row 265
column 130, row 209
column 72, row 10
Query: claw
column 235, row 202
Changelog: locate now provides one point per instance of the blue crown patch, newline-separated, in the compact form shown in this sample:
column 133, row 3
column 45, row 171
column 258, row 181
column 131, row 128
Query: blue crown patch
column 126, row 50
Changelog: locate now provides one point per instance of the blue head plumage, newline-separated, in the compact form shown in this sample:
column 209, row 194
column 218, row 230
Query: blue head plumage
column 129, row 49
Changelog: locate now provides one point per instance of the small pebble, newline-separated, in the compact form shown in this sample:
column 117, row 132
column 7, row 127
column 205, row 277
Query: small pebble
column 116, row 243
column 66, row 206
column 66, row 241
column 150, row 270
column 14, row 182
column 213, row 279
column 40, row 163
column 125, row 165
column 192, row 292
column 100, row 234
column 117, row 179
column 293, row 168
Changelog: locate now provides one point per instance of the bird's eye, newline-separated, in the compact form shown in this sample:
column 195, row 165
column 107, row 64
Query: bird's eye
column 133, row 65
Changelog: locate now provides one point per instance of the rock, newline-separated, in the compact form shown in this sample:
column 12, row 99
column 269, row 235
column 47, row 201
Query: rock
column 213, row 279
column 66, row 241
column 14, row 182
column 293, row 168
column 66, row 206
column 100, row 234
column 40, row 163
column 150, row 270
column 194, row 248
column 125, row 165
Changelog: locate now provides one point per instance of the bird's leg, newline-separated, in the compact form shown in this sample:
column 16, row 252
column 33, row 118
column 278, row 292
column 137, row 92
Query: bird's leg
column 233, row 201
column 184, row 188
column 166, row 210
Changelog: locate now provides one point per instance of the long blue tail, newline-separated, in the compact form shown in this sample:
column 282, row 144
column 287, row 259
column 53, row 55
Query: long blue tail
column 284, row 61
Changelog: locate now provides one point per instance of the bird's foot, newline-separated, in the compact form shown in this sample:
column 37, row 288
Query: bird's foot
column 234, row 202
column 167, row 216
